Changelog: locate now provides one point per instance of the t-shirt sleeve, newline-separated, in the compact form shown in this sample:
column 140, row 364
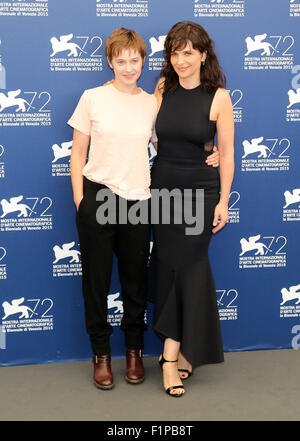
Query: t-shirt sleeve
column 80, row 120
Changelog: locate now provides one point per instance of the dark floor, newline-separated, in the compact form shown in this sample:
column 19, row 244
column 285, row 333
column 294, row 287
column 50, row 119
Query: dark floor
column 249, row 386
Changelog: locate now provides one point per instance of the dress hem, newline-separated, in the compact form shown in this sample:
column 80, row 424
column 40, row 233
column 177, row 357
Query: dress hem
column 163, row 337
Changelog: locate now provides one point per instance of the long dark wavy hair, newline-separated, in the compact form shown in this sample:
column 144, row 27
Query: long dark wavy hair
column 211, row 75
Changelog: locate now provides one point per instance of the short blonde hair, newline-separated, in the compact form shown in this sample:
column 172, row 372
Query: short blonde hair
column 122, row 38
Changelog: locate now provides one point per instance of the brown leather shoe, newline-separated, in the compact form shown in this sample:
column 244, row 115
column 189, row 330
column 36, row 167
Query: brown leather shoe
column 103, row 377
column 134, row 366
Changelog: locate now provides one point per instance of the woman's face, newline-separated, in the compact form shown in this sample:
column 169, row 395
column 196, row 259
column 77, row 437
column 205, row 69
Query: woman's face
column 127, row 67
column 187, row 62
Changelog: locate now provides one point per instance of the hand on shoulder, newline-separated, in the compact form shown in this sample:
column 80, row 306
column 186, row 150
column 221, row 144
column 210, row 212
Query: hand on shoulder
column 159, row 90
column 160, row 86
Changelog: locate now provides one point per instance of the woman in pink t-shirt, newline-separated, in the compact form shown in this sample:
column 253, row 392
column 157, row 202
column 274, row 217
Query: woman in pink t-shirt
column 115, row 123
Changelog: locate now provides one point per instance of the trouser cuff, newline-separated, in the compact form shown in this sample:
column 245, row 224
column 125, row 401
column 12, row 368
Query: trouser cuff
column 101, row 350
column 134, row 343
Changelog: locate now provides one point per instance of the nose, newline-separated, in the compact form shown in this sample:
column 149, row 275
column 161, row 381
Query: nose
column 180, row 59
column 128, row 67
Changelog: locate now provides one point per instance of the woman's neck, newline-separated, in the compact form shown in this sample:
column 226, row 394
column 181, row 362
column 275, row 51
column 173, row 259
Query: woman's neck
column 189, row 83
column 132, row 89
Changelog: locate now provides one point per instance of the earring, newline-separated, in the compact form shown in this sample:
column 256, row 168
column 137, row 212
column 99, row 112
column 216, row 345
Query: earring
column 203, row 63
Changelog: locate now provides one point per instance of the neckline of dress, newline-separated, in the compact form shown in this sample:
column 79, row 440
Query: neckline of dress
column 189, row 90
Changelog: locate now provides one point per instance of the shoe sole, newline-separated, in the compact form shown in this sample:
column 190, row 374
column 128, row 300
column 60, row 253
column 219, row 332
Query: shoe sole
column 134, row 381
column 185, row 371
column 103, row 387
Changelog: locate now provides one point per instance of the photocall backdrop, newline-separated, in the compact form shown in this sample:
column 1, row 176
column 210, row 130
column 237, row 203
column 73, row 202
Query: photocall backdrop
column 50, row 52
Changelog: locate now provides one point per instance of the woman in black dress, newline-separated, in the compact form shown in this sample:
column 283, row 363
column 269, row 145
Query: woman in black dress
column 194, row 105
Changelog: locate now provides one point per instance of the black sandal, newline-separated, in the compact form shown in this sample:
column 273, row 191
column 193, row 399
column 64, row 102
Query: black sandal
column 168, row 391
column 186, row 371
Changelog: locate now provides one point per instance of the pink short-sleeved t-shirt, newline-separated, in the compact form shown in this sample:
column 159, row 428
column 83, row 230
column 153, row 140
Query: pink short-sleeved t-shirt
column 120, row 126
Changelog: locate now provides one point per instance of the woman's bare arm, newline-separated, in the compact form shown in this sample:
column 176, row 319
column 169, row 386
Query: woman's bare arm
column 225, row 137
column 159, row 89
column 158, row 93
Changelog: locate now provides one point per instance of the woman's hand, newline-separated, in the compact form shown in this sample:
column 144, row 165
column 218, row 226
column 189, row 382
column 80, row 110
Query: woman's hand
column 220, row 217
column 77, row 201
column 214, row 158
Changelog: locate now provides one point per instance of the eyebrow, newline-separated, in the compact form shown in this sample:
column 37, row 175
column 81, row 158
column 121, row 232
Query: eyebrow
column 123, row 59
column 181, row 50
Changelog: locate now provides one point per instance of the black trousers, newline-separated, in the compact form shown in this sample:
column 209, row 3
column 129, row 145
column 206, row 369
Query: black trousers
column 98, row 243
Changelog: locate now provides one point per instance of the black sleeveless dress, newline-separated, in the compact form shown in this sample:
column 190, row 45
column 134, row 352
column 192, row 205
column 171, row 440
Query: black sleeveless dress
column 180, row 278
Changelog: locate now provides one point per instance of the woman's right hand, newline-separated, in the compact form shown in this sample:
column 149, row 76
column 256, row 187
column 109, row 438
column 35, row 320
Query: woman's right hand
column 77, row 201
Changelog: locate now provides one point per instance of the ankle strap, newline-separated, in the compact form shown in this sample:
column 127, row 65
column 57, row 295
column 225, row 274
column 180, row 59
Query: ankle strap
column 167, row 361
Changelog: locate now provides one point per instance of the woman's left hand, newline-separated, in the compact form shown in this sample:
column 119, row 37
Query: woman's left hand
column 220, row 217
column 214, row 158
